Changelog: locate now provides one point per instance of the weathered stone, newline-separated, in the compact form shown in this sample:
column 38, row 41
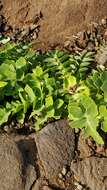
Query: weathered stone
column 55, row 144
column 28, row 150
column 91, row 172
column 40, row 184
column 10, row 165
column 101, row 56
column 47, row 188
column 83, row 148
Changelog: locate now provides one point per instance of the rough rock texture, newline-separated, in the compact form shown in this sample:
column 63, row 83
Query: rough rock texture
column 61, row 18
column 17, row 162
column 55, row 144
column 91, row 172
column 83, row 148
column 10, row 165
column 101, row 56
column 28, row 150
column 41, row 185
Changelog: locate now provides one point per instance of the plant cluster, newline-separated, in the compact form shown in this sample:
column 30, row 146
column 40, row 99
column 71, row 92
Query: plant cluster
column 51, row 86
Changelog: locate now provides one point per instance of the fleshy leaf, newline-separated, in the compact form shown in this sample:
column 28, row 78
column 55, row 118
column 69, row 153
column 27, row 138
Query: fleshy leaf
column 3, row 84
column 69, row 82
column 74, row 111
column 104, row 89
column 38, row 71
column 103, row 114
column 4, row 115
column 89, row 106
column 91, row 130
column 21, row 62
column 49, row 106
column 30, row 93
column 59, row 103
column 80, row 123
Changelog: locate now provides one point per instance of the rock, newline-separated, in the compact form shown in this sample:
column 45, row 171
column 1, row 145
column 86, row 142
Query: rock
column 105, row 35
column 91, row 172
column 64, row 171
column 90, row 46
column 28, row 150
column 17, row 162
column 78, row 186
column 10, row 164
column 47, row 188
column 30, row 176
column 41, row 184
column 101, row 56
column 83, row 148
column 55, row 145
column 104, row 21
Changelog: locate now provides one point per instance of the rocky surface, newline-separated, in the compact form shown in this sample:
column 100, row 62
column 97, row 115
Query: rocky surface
column 42, row 161
column 10, row 164
column 101, row 56
column 91, row 172
column 82, row 147
column 28, row 151
column 17, row 166
column 37, row 161
column 60, row 18
column 55, row 144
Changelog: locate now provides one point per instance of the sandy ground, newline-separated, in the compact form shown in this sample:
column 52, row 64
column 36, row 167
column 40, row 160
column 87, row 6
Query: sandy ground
column 61, row 18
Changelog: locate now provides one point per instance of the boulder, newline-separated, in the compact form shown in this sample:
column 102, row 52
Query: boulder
column 55, row 146
column 10, row 165
column 91, row 172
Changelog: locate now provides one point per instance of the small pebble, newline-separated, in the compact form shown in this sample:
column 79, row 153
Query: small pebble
column 77, row 130
column 34, row 36
column 46, row 187
column 6, row 128
column 100, row 149
column 103, row 21
column 64, row 171
column 60, row 176
column 105, row 35
column 79, row 187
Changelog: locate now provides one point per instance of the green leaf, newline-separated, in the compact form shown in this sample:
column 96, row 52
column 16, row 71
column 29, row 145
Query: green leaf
column 21, row 62
column 38, row 71
column 89, row 105
column 103, row 111
column 24, row 102
column 21, row 117
column 4, row 115
column 69, row 82
column 48, row 101
column 58, row 103
column 85, row 63
column 91, row 130
column 104, row 76
column 16, row 107
column 7, row 72
column 103, row 114
column 40, row 121
column 30, row 93
column 49, row 106
column 80, row 123
column 104, row 89
column 74, row 111
column 3, row 84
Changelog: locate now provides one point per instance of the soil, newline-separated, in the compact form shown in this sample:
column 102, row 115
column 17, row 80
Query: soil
column 57, row 157
column 59, row 19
